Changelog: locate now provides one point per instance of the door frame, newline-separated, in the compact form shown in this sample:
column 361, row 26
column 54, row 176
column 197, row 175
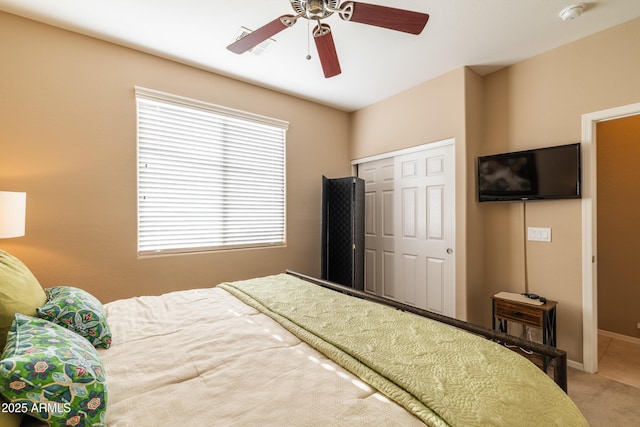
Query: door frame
column 422, row 147
column 589, row 230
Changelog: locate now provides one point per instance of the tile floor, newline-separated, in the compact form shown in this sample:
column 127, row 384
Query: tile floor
column 619, row 360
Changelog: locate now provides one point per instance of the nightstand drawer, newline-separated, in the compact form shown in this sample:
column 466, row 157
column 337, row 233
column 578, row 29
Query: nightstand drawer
column 509, row 307
column 527, row 315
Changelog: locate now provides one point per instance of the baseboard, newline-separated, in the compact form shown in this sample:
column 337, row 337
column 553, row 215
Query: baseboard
column 620, row 337
column 575, row 365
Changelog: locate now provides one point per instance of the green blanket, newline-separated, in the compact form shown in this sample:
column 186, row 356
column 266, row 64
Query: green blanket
column 445, row 376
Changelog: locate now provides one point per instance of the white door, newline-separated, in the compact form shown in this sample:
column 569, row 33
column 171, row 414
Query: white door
column 410, row 228
column 379, row 228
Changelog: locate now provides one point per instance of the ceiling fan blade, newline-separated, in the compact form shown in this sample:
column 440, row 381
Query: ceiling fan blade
column 256, row 37
column 406, row 21
column 326, row 50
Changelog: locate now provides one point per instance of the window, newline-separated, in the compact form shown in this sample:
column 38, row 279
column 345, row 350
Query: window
column 208, row 177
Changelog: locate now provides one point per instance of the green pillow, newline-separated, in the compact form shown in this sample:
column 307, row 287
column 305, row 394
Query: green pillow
column 54, row 373
column 78, row 311
column 20, row 292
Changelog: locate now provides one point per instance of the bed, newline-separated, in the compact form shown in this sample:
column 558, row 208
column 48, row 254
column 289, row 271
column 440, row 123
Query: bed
column 289, row 350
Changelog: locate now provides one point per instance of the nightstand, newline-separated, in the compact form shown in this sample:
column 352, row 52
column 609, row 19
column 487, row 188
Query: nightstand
column 509, row 307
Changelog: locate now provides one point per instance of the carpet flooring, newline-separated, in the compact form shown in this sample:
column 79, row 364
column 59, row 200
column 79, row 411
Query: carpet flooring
column 604, row 402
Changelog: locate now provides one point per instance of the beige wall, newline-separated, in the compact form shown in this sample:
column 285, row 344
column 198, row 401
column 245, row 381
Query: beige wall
column 618, row 174
column 449, row 106
column 68, row 138
column 430, row 112
column 535, row 103
column 76, row 159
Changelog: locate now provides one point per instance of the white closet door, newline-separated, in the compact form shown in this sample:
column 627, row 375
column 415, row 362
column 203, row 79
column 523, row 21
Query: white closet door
column 410, row 228
column 379, row 226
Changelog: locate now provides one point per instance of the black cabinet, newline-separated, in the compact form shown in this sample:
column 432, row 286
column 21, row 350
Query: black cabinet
column 343, row 231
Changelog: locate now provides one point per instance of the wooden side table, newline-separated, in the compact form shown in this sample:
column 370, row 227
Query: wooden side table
column 539, row 316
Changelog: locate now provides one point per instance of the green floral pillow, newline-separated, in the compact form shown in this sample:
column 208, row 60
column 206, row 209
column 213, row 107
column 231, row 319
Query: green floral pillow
column 78, row 311
column 53, row 374
column 20, row 292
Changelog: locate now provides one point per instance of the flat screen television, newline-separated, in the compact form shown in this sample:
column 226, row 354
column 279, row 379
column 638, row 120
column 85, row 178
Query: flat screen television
column 540, row 174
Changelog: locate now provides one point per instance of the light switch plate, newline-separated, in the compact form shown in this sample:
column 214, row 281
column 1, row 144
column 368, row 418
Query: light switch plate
column 539, row 234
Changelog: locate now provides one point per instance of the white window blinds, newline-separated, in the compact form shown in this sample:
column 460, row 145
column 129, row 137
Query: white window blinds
column 208, row 177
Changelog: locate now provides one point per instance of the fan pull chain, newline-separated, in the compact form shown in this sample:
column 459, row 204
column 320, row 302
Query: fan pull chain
column 308, row 40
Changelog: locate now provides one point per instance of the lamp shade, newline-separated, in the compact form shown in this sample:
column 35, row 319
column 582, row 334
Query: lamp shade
column 13, row 207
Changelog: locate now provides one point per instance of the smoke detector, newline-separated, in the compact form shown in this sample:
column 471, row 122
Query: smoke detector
column 572, row 12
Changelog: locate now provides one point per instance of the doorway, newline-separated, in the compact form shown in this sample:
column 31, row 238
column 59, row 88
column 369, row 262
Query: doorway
column 410, row 226
column 589, row 230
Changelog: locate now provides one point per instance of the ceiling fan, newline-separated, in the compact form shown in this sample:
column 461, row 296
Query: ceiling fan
column 380, row 16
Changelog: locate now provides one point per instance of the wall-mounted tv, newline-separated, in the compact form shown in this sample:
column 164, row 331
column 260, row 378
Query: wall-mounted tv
column 539, row 174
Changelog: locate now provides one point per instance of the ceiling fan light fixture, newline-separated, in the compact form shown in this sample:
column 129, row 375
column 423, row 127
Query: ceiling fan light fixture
column 315, row 9
column 391, row 18
column 571, row 12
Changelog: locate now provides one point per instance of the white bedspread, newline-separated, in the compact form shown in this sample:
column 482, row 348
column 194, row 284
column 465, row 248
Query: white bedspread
column 203, row 358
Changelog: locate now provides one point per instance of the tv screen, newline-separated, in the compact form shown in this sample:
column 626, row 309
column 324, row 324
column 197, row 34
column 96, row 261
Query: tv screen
column 544, row 173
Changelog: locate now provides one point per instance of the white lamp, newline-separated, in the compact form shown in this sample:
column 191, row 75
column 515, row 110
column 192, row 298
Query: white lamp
column 13, row 208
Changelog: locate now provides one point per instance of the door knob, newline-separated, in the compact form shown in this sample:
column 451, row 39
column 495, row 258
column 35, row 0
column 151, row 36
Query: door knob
column 449, row 251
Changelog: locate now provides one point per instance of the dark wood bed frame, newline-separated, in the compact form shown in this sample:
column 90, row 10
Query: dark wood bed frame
column 538, row 353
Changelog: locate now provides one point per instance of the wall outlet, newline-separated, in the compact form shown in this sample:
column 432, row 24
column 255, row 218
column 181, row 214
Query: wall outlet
column 539, row 234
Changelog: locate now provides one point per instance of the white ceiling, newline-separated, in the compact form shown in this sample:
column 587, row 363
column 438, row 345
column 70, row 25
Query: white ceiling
column 376, row 63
